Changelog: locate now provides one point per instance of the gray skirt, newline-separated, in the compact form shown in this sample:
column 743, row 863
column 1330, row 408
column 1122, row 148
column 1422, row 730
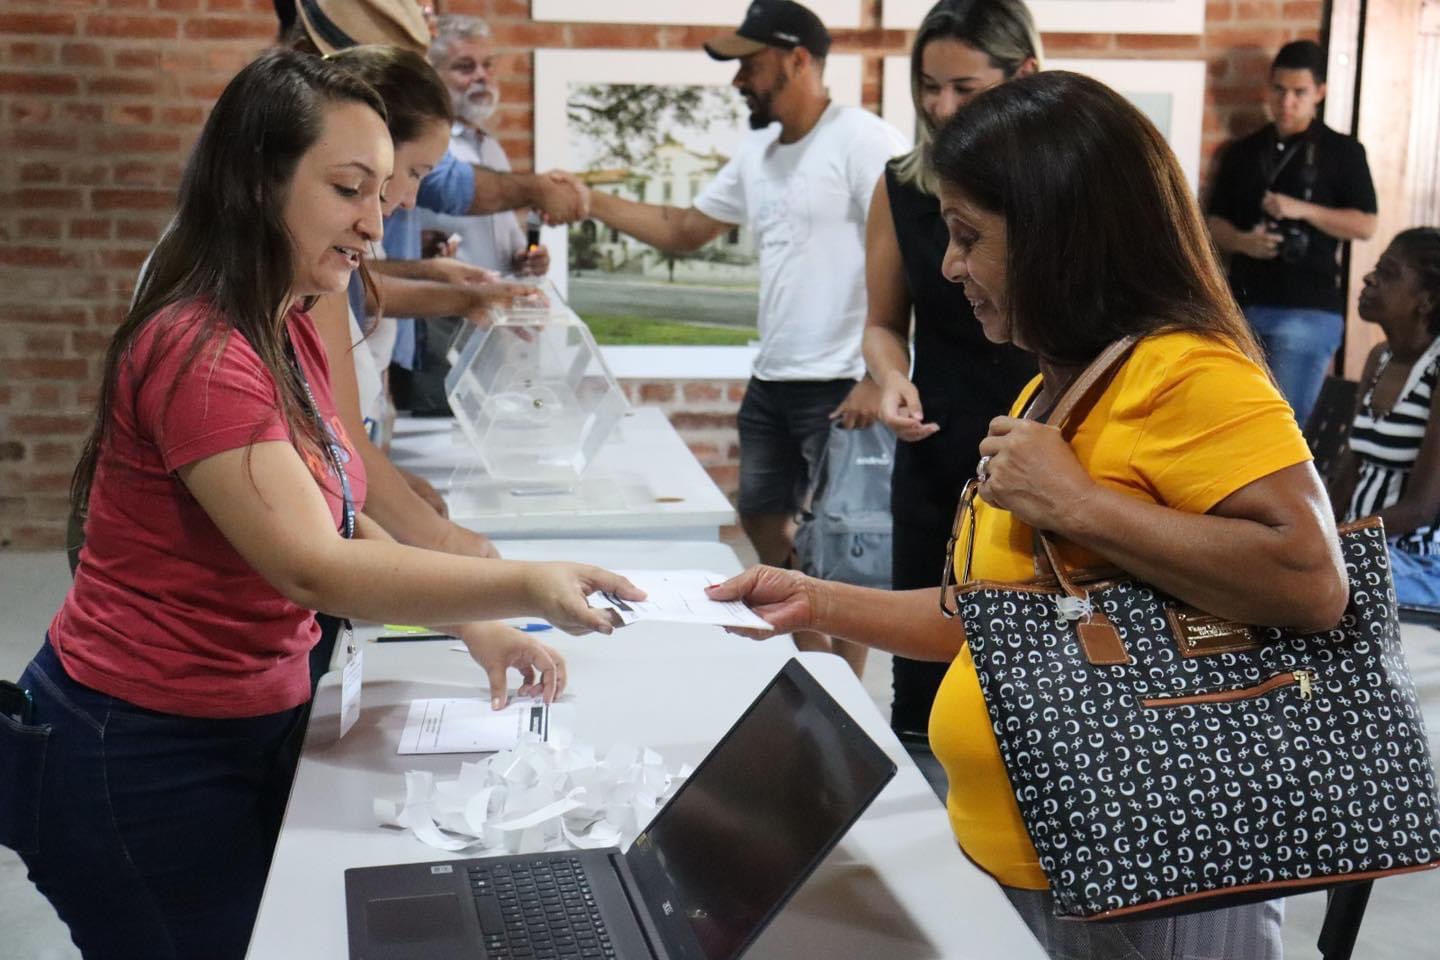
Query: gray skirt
column 1250, row 932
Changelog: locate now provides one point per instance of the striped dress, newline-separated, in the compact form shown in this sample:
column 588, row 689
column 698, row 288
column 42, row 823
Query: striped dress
column 1387, row 446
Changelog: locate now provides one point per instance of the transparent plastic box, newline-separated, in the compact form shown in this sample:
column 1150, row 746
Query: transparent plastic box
column 532, row 395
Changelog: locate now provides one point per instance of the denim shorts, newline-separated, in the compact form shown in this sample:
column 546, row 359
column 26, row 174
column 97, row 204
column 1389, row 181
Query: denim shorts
column 150, row 833
column 783, row 428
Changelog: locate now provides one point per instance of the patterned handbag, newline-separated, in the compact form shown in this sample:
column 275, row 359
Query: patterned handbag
column 1168, row 760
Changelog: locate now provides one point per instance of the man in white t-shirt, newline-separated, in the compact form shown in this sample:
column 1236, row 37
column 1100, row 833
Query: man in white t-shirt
column 802, row 183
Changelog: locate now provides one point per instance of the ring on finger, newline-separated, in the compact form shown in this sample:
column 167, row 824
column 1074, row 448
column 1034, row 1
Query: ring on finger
column 982, row 469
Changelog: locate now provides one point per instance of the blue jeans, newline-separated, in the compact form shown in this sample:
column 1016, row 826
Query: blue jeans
column 151, row 834
column 1299, row 344
column 1417, row 578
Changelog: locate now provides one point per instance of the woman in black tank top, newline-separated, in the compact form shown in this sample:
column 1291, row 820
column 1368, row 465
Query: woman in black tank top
column 960, row 380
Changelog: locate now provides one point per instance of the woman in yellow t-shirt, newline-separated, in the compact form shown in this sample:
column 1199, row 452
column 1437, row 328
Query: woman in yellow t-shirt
column 1071, row 226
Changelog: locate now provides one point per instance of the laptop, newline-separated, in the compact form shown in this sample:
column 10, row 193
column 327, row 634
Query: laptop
column 714, row 867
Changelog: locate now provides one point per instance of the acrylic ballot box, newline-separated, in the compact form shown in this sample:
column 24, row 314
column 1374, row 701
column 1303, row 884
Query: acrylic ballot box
column 533, row 397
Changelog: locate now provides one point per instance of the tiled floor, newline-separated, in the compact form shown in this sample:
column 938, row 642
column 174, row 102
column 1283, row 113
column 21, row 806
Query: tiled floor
column 1398, row 925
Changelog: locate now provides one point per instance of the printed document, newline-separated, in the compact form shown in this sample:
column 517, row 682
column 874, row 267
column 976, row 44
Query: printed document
column 678, row 596
column 471, row 726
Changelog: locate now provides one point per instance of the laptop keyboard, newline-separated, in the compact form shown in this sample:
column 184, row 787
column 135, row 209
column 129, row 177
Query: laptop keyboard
column 539, row 910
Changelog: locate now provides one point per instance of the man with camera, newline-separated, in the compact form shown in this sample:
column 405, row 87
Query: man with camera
column 1283, row 201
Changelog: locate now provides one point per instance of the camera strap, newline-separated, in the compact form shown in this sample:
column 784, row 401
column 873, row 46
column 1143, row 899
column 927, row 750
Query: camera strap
column 1308, row 172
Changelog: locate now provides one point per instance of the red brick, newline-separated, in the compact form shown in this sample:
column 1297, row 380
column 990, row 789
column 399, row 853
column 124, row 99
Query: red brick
column 15, row 24
column 112, row 84
column 137, row 141
column 35, row 537
column 90, row 175
column 83, row 113
column 132, row 114
column 37, row 228
column 37, row 198
column 177, row 5
column 11, row 450
column 132, row 199
column 137, row 59
column 42, row 368
column 89, row 229
column 1218, row 10
column 32, row 112
column 159, row 28
column 123, row 259
column 230, row 28
column 82, row 55
column 657, row 392
column 48, row 83
column 50, row 343
column 147, row 230
column 1159, row 44
column 687, row 420
column 703, row 392
column 1312, row 10
column 735, row 392
column 32, row 54
column 39, row 173
column 90, row 341
column 70, row 316
column 182, row 116
column 55, row 452
column 1257, row 10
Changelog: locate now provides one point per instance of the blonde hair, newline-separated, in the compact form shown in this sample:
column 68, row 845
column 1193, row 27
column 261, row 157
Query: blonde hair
column 1003, row 30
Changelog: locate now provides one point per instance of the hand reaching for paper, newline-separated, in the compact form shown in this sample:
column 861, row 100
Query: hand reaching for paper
column 558, row 593
column 497, row 647
column 785, row 599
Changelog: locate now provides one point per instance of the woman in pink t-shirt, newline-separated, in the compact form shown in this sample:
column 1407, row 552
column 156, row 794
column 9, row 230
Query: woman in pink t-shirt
column 144, row 788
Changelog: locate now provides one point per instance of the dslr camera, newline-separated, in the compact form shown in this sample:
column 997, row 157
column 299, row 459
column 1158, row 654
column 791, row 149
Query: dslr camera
column 1294, row 239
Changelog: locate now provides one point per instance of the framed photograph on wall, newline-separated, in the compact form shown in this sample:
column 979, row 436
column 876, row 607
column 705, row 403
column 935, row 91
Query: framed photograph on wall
column 1077, row 16
column 710, row 13
column 1170, row 92
column 655, row 127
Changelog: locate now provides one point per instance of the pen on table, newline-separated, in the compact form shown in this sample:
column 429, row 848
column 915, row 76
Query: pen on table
column 407, row 637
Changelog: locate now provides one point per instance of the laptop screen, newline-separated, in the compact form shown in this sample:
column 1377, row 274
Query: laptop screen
column 762, row 810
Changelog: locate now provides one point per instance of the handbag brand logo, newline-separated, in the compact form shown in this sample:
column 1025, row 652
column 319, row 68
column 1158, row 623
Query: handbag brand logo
column 1200, row 634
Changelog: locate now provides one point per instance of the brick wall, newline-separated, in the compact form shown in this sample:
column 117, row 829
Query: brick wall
column 101, row 99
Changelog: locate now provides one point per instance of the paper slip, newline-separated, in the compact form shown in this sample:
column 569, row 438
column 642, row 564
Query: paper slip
column 678, row 596
column 471, row 726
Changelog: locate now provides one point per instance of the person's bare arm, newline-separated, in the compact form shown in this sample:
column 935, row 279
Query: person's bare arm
column 390, row 500
column 1339, row 222
column 1266, row 554
column 903, row 622
column 1259, row 243
column 405, row 297
column 437, row 269
column 268, row 506
column 886, row 341
column 557, row 194
column 669, row 228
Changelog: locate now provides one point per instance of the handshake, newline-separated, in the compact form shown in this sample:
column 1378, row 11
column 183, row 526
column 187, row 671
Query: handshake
column 559, row 196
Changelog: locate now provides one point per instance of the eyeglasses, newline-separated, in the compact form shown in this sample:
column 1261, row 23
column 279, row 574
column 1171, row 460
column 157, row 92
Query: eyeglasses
column 965, row 508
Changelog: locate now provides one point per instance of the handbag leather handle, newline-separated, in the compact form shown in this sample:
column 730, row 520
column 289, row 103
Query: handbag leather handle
column 1099, row 639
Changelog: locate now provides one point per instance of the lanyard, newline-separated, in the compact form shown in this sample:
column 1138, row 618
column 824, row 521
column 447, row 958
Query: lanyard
column 347, row 511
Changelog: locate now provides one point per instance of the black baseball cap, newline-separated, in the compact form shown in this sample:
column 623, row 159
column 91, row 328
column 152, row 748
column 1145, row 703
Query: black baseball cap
column 773, row 23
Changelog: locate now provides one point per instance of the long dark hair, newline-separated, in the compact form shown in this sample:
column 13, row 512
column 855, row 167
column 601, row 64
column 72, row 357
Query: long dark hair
column 1003, row 30
column 413, row 92
column 1420, row 248
column 228, row 251
column 1105, row 238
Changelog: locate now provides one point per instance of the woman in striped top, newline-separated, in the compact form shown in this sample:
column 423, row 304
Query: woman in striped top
column 1394, row 463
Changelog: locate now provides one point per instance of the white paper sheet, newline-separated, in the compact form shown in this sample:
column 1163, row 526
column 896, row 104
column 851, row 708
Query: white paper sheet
column 678, row 596
column 471, row 726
